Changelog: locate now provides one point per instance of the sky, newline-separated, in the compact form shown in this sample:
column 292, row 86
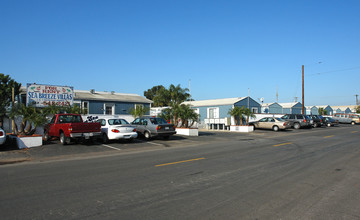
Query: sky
column 225, row 49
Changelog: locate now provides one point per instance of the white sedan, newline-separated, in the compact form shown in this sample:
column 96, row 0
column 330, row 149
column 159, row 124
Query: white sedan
column 116, row 129
column 2, row 136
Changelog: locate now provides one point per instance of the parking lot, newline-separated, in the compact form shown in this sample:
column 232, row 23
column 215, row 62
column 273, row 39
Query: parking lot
column 55, row 151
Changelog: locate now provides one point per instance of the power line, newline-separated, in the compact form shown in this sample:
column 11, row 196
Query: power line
column 334, row 71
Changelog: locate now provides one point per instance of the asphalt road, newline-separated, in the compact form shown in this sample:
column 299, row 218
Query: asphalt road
column 302, row 174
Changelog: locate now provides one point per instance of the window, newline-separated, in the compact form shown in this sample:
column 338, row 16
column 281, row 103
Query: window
column 285, row 117
column 136, row 121
column 213, row 112
column 254, row 110
column 292, row 117
column 109, row 109
column 117, row 122
column 85, row 107
column 102, row 122
column 271, row 120
column 263, row 120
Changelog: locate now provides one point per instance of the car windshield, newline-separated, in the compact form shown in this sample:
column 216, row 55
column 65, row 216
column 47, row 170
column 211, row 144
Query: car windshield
column 117, row 122
column 70, row 118
column 157, row 121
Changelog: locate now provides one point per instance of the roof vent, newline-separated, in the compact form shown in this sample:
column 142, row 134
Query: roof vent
column 92, row 91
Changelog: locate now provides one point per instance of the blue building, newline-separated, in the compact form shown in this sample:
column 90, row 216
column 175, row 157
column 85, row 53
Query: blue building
column 312, row 110
column 271, row 108
column 292, row 108
column 216, row 110
column 341, row 109
column 327, row 108
column 109, row 103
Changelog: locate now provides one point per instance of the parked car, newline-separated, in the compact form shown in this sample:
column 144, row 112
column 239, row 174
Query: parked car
column 116, row 129
column 297, row 120
column 271, row 123
column 317, row 121
column 152, row 126
column 347, row 118
column 328, row 121
column 2, row 136
column 71, row 126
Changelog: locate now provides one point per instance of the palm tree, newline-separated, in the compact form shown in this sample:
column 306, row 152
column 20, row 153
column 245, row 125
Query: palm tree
column 237, row 113
column 139, row 111
column 187, row 114
column 248, row 114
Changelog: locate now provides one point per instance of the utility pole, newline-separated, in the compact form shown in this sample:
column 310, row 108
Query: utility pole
column 357, row 103
column 12, row 106
column 277, row 95
column 190, row 91
column 303, row 99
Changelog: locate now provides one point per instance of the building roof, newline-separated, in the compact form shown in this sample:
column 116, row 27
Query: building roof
column 342, row 107
column 214, row 102
column 109, row 96
column 322, row 106
column 289, row 104
column 268, row 104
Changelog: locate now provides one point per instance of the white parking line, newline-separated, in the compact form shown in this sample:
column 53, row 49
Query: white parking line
column 111, row 147
column 155, row 143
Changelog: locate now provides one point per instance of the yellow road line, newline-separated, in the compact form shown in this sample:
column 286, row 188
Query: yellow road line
column 329, row 136
column 354, row 132
column 282, row 144
column 165, row 164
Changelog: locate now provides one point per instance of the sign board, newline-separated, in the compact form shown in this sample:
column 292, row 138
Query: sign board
column 44, row 95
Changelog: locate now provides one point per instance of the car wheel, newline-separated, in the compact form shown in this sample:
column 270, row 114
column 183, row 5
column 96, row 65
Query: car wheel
column 46, row 137
column 296, row 125
column 275, row 128
column 147, row 135
column 105, row 138
column 63, row 139
column 353, row 123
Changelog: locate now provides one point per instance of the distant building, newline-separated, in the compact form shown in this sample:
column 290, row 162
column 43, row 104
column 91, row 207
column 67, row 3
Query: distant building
column 291, row 108
column 329, row 110
column 271, row 108
column 215, row 111
column 108, row 103
column 312, row 110
column 341, row 109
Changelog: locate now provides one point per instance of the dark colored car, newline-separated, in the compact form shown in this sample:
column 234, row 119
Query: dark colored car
column 297, row 120
column 152, row 126
column 317, row 121
column 328, row 121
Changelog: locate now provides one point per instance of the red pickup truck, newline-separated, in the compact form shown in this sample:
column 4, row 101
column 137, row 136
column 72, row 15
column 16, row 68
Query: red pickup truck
column 71, row 126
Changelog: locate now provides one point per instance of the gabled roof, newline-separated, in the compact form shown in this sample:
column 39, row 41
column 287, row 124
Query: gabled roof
column 214, row 102
column 109, row 96
column 322, row 106
column 341, row 107
column 264, row 105
column 289, row 104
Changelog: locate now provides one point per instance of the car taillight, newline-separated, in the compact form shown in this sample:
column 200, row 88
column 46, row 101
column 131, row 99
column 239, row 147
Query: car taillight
column 284, row 124
column 1, row 133
column 115, row 130
column 158, row 127
column 320, row 121
column 305, row 120
column 134, row 130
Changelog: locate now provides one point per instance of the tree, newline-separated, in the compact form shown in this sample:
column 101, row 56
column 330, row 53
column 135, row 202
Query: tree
column 32, row 117
column 139, row 111
column 358, row 109
column 322, row 111
column 151, row 93
column 172, row 97
column 248, row 114
column 6, row 86
column 237, row 113
column 186, row 115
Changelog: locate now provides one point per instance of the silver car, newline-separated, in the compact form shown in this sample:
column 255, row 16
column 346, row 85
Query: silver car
column 152, row 126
